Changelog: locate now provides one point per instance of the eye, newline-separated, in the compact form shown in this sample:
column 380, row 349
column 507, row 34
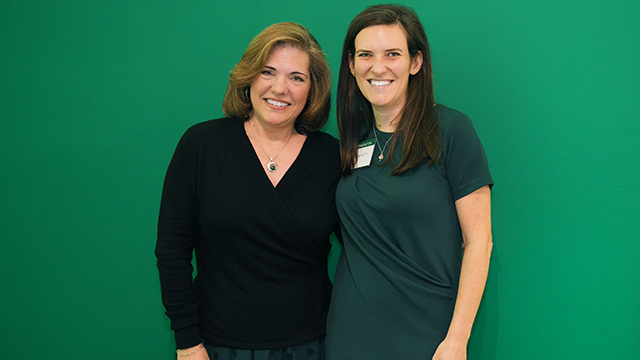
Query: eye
column 393, row 54
column 362, row 55
column 267, row 72
column 298, row 78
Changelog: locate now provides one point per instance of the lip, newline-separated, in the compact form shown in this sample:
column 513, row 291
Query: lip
column 379, row 82
column 277, row 104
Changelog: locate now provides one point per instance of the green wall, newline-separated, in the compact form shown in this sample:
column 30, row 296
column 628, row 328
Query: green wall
column 95, row 95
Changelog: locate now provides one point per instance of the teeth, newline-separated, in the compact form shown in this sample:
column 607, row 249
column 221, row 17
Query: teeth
column 277, row 103
column 380, row 82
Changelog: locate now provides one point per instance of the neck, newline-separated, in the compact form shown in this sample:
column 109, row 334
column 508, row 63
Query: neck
column 387, row 119
column 273, row 134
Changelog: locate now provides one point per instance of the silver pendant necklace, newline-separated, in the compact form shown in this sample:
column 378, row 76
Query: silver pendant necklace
column 381, row 157
column 271, row 165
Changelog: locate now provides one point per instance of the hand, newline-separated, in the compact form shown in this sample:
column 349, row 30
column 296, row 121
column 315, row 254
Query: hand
column 198, row 355
column 451, row 350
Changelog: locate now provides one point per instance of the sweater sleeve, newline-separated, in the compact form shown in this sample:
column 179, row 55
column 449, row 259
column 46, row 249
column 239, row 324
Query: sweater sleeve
column 177, row 234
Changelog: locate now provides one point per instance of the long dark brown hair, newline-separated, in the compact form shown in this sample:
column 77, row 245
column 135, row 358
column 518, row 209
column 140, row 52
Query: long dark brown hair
column 418, row 124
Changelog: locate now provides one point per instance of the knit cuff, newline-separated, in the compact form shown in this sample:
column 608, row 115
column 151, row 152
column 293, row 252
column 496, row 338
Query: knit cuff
column 188, row 337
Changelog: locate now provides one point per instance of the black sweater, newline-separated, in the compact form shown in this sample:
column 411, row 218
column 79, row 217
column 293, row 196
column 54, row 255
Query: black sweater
column 260, row 251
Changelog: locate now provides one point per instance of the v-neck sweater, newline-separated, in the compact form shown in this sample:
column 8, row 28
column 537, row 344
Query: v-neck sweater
column 260, row 250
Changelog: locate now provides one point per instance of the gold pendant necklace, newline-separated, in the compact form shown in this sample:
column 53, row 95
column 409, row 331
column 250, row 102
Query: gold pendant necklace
column 381, row 157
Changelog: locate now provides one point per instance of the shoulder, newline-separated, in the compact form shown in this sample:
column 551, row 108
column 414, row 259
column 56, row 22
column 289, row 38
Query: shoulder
column 324, row 148
column 450, row 119
column 221, row 124
column 324, row 140
column 455, row 127
column 222, row 128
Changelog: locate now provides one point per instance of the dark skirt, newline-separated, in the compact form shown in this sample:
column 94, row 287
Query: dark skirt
column 310, row 350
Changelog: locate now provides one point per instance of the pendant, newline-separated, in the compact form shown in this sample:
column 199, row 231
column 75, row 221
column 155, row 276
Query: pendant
column 380, row 157
column 272, row 166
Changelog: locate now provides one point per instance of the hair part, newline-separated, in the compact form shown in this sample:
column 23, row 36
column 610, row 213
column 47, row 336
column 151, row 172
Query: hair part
column 237, row 102
column 418, row 124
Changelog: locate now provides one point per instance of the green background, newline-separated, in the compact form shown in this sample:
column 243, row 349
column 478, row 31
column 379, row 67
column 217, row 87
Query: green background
column 95, row 95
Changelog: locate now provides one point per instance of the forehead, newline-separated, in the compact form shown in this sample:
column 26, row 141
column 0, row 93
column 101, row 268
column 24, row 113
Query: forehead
column 288, row 56
column 381, row 36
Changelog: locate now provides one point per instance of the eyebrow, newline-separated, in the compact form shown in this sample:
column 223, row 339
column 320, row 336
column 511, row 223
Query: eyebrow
column 293, row 73
column 385, row 50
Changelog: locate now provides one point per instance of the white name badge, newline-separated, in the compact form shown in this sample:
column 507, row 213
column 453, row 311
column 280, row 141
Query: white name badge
column 365, row 153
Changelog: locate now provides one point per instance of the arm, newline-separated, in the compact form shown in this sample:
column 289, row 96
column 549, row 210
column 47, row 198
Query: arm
column 177, row 231
column 474, row 213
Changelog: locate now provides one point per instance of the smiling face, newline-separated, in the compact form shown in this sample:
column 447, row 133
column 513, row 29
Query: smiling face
column 279, row 93
column 382, row 65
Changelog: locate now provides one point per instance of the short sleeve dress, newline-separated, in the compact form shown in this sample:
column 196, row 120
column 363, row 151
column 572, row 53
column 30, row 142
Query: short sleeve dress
column 397, row 277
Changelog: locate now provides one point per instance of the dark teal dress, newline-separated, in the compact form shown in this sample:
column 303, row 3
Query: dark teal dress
column 397, row 276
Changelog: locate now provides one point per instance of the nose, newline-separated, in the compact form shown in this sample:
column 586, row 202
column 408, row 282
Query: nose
column 378, row 67
column 279, row 85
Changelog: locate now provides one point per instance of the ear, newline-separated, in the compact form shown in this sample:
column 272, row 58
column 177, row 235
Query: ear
column 416, row 63
column 351, row 65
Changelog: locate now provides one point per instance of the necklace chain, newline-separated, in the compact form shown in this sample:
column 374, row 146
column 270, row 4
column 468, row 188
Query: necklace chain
column 381, row 157
column 271, row 165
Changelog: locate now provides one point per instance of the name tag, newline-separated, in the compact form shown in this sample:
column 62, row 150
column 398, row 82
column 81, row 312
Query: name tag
column 365, row 153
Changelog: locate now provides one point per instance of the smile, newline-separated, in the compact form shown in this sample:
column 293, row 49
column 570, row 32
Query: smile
column 380, row 82
column 277, row 103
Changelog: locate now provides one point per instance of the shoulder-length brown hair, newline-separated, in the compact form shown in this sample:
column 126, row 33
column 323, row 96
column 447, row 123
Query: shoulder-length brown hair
column 237, row 102
column 418, row 124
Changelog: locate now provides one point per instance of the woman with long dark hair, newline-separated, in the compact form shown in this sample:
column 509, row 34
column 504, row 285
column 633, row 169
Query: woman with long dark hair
column 414, row 192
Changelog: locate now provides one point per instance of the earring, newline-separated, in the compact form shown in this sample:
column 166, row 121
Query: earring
column 246, row 92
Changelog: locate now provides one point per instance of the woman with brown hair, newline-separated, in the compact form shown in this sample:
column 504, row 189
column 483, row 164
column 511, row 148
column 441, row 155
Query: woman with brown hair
column 253, row 194
column 415, row 190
